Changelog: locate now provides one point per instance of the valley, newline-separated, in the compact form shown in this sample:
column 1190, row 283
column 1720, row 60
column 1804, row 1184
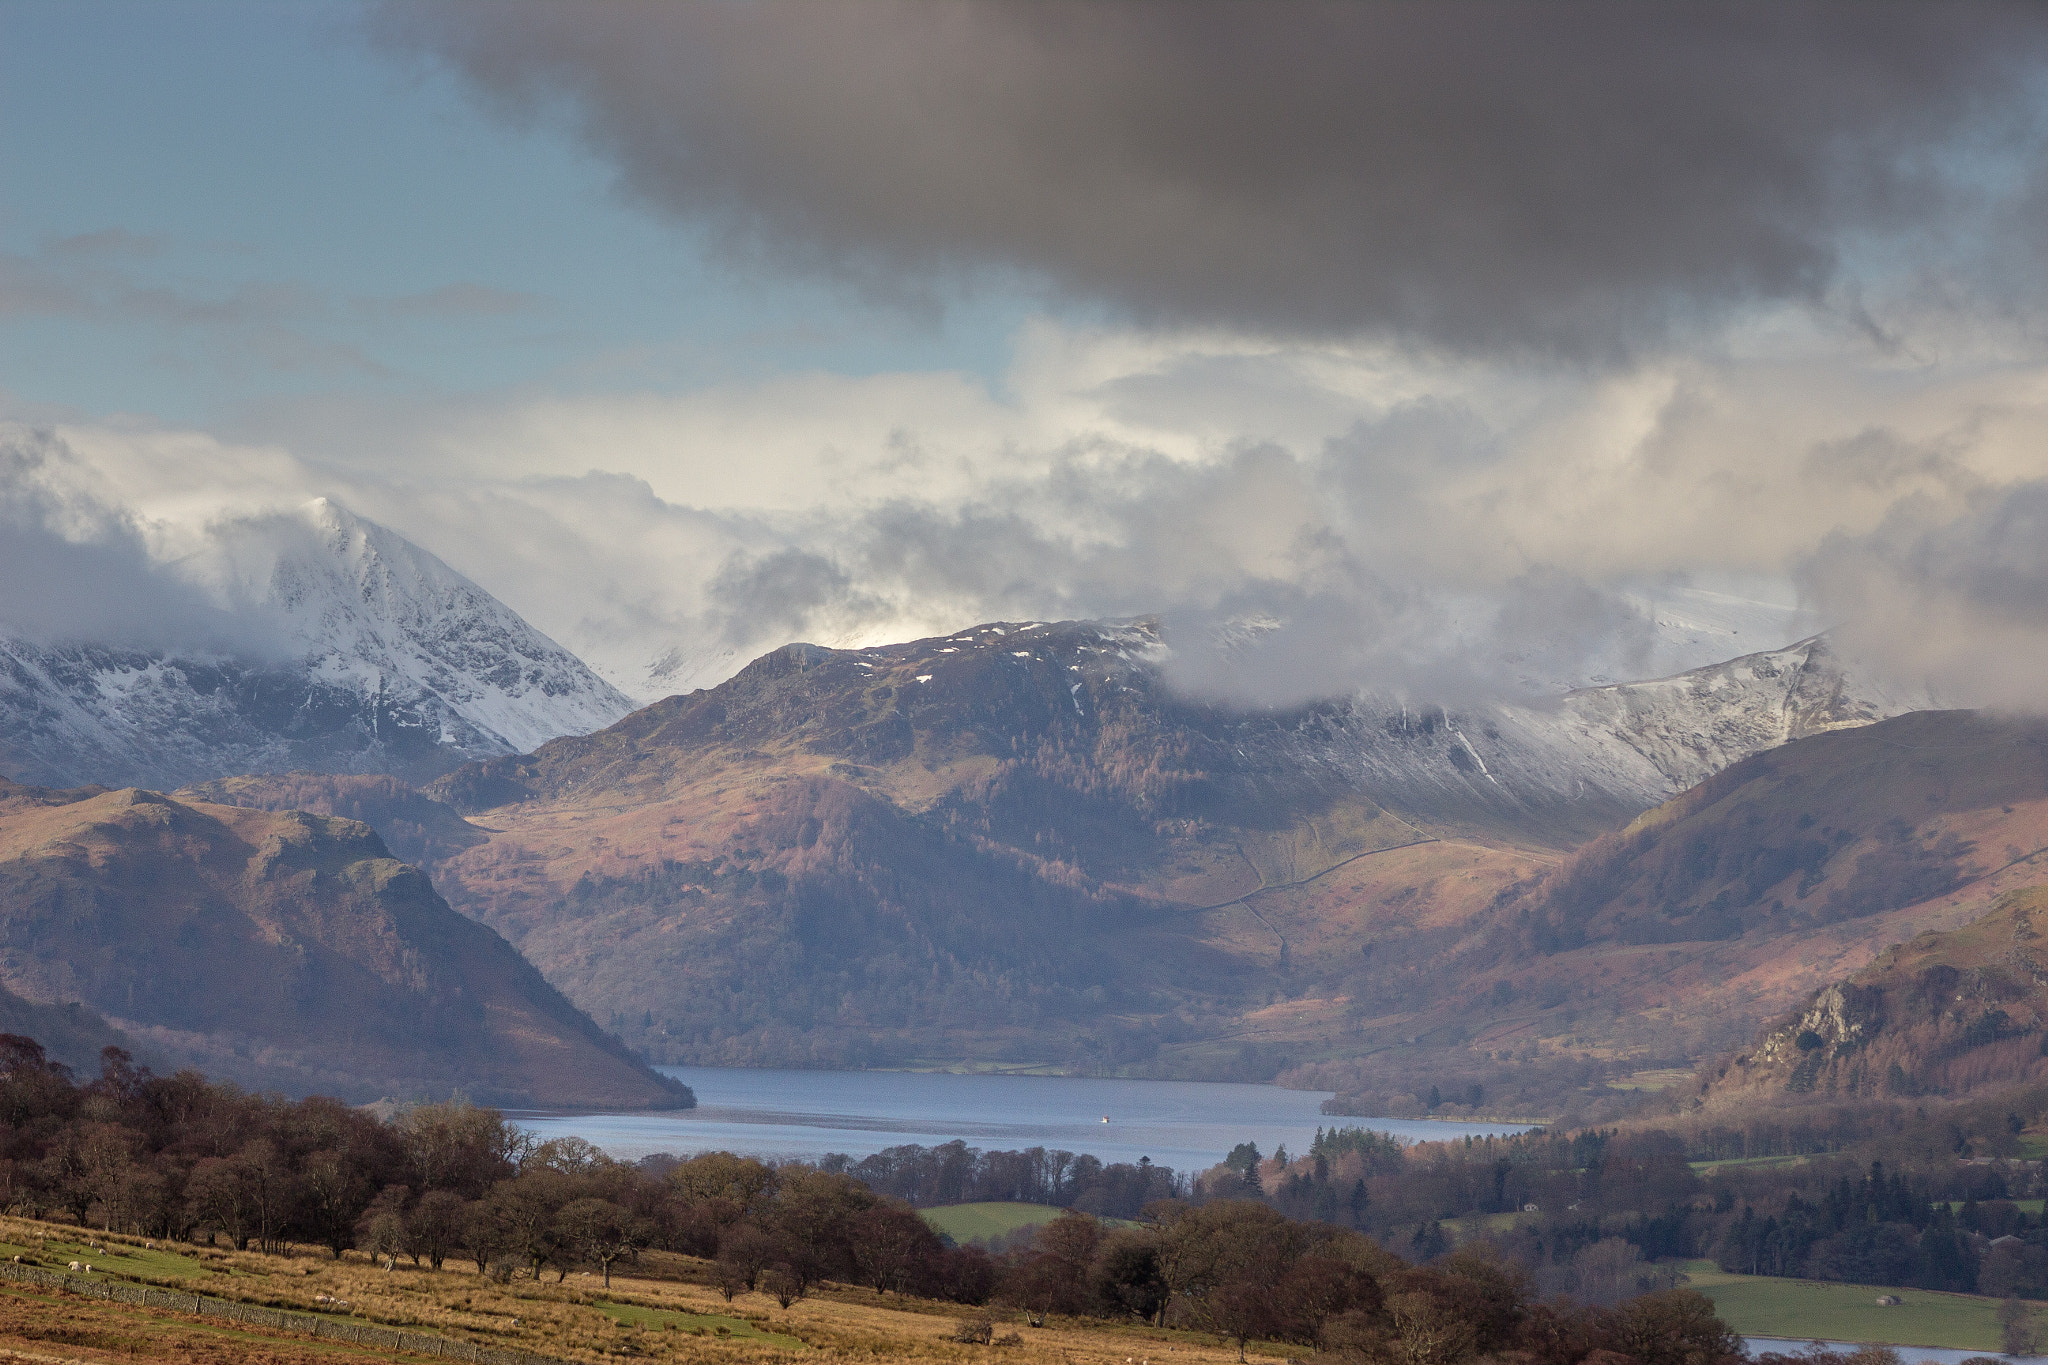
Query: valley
column 1020, row 846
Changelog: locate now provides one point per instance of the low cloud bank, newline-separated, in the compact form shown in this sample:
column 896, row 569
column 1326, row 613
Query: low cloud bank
column 1950, row 593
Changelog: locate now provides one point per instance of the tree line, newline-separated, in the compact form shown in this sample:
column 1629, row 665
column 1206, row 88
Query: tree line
column 181, row 1158
column 954, row 1173
column 1907, row 1197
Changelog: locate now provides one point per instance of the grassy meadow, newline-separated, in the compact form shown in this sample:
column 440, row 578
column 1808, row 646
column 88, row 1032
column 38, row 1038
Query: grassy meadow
column 965, row 1223
column 1765, row 1306
column 969, row 1222
column 661, row 1310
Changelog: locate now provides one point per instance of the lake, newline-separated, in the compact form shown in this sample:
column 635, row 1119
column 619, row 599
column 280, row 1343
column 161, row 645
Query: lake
column 1911, row 1355
column 1188, row 1125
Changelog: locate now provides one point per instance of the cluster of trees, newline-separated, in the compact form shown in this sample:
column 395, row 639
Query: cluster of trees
column 177, row 1157
column 954, row 1173
column 1243, row 1270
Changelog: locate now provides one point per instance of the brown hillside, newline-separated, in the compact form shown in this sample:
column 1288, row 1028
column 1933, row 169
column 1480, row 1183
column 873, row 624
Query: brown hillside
column 1833, row 828
column 1015, row 846
column 1947, row 1013
column 284, row 950
column 415, row 827
column 1679, row 936
column 1008, row 845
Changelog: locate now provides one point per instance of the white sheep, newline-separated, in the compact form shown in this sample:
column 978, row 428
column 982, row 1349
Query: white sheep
column 76, row 1266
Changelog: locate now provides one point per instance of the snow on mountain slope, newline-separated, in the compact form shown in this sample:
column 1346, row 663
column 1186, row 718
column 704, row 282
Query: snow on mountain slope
column 1557, row 770
column 1594, row 754
column 371, row 655
column 1678, row 628
column 368, row 609
column 1690, row 726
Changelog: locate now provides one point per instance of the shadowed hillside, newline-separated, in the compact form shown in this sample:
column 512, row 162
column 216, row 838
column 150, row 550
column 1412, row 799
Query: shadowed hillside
column 284, row 950
column 73, row 1035
column 1833, row 828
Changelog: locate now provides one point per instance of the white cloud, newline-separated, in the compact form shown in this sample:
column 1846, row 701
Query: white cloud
column 1424, row 524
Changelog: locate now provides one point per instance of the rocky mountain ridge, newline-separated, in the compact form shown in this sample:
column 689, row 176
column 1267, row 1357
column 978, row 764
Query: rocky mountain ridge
column 1019, row 840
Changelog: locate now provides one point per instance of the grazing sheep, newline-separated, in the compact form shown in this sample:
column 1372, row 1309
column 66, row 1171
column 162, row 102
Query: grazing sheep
column 76, row 1266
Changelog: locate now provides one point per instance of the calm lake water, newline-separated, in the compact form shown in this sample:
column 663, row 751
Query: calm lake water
column 1912, row 1355
column 1187, row 1125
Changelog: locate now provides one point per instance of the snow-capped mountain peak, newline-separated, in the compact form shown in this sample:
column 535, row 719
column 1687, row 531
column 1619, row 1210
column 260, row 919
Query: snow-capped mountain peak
column 363, row 605
column 365, row 653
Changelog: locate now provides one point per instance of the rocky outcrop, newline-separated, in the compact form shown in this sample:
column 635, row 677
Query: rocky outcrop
column 1947, row 1013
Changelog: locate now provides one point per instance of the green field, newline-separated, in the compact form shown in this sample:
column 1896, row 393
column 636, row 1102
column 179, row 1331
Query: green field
column 1764, row 1306
column 1709, row 1167
column 707, row 1324
column 2027, row 1206
column 966, row 1222
column 136, row 1262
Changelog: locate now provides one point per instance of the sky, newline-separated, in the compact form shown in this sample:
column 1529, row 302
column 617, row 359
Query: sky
column 1439, row 350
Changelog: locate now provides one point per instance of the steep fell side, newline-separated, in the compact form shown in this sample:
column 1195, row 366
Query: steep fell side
column 361, row 653
column 285, row 950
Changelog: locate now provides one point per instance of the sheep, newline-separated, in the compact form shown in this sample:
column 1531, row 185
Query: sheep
column 76, row 1266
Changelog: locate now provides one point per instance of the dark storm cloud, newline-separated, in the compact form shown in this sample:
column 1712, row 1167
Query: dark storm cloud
column 780, row 594
column 1576, row 178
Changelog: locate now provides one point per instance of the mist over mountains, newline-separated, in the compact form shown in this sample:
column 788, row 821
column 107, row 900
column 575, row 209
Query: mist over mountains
column 351, row 650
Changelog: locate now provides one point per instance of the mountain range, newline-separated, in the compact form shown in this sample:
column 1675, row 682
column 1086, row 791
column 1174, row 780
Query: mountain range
column 1018, row 845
